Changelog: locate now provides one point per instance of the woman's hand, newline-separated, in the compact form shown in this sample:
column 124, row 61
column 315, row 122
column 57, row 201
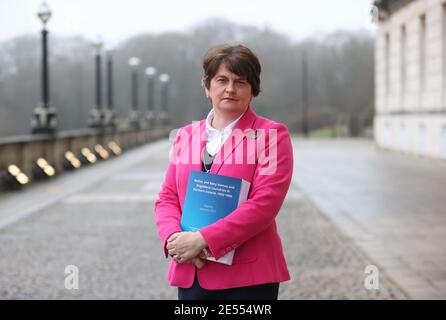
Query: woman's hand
column 199, row 263
column 185, row 247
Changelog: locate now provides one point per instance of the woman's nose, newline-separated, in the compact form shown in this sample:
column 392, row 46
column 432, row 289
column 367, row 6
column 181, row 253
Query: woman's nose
column 230, row 87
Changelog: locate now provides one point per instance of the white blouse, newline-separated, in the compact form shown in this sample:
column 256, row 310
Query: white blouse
column 216, row 138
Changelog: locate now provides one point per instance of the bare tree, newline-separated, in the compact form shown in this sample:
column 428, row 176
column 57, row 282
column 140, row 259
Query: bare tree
column 340, row 75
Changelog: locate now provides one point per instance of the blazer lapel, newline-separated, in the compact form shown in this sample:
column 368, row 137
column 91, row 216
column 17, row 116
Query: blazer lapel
column 245, row 122
column 198, row 137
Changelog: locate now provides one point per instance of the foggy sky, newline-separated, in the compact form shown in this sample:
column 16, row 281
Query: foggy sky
column 116, row 20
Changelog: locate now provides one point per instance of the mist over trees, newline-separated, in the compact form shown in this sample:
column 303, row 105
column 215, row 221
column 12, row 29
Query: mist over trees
column 340, row 75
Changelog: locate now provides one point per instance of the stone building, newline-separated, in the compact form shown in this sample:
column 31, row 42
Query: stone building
column 410, row 76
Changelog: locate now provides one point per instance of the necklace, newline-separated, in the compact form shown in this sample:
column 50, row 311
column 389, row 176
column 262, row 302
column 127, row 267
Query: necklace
column 206, row 167
column 207, row 160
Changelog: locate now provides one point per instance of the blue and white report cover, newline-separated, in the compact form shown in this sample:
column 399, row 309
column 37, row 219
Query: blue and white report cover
column 210, row 197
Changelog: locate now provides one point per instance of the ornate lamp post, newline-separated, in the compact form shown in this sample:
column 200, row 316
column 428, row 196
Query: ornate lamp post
column 96, row 114
column 164, row 79
column 150, row 115
column 44, row 119
column 133, row 115
column 109, row 113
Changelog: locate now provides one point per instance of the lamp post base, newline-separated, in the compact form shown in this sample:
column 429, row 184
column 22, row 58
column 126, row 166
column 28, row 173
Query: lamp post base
column 109, row 118
column 134, row 120
column 163, row 120
column 44, row 120
column 150, row 118
column 96, row 119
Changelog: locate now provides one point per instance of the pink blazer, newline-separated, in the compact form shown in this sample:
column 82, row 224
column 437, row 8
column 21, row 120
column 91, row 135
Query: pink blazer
column 258, row 150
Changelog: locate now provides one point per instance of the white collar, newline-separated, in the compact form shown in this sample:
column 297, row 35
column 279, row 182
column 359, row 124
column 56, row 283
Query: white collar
column 210, row 129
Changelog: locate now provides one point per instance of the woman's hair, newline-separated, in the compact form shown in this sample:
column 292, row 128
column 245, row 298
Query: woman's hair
column 238, row 59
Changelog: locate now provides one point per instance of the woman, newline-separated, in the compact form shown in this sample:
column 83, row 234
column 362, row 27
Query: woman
column 231, row 79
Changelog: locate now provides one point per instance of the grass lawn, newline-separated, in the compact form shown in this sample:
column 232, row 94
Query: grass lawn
column 326, row 132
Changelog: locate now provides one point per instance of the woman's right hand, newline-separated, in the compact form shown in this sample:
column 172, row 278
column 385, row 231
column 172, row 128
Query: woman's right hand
column 199, row 263
column 185, row 246
column 198, row 260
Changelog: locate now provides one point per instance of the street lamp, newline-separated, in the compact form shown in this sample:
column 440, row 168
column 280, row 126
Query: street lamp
column 96, row 114
column 44, row 119
column 150, row 116
column 133, row 115
column 164, row 79
column 109, row 114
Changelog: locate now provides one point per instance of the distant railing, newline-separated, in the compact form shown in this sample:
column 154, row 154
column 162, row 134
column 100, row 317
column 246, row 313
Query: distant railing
column 26, row 158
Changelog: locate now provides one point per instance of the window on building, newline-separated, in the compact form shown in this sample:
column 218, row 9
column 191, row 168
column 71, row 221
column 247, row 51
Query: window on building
column 422, row 55
column 387, row 64
column 444, row 44
column 422, row 139
column 443, row 140
column 403, row 137
column 387, row 134
column 403, row 60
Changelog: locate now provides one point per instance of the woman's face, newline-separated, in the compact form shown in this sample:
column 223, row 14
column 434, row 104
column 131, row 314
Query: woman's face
column 229, row 93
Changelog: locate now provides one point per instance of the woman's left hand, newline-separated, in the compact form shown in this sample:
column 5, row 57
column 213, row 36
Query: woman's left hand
column 185, row 246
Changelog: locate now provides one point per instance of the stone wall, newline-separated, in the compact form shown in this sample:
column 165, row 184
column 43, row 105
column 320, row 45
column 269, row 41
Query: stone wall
column 23, row 151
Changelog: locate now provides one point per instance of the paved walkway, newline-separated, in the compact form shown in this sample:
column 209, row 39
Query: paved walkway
column 392, row 205
column 100, row 219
